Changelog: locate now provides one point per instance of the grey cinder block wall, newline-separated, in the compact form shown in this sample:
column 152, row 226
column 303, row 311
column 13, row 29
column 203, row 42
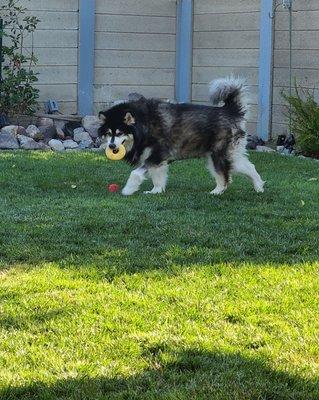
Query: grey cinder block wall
column 225, row 41
column 135, row 49
column 56, row 46
column 305, row 55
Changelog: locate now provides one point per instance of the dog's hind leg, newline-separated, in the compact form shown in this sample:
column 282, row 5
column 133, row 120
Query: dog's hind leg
column 242, row 165
column 219, row 168
column 158, row 175
column 134, row 181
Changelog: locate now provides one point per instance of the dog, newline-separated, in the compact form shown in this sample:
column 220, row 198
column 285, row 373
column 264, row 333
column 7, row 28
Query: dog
column 156, row 133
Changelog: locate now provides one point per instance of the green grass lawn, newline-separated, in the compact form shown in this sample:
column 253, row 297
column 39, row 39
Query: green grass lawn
column 176, row 296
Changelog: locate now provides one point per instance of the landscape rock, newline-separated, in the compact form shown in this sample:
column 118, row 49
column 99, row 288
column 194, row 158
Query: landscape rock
column 264, row 149
column 34, row 132
column 85, row 144
column 10, row 130
column 56, row 145
column 70, row 144
column 23, row 139
column 44, row 146
column 91, row 124
column 59, row 123
column 21, row 130
column 76, row 131
column 45, row 122
column 60, row 133
column 28, row 143
column 82, row 136
column 8, row 142
column 48, row 133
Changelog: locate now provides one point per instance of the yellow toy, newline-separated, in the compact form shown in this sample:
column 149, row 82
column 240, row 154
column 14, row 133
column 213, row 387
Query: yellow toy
column 117, row 154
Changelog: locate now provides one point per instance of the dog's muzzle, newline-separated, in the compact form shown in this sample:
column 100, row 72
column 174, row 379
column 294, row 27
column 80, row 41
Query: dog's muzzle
column 115, row 142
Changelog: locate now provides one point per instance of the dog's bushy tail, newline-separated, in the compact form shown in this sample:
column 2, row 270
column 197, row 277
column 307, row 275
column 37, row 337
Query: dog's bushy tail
column 232, row 92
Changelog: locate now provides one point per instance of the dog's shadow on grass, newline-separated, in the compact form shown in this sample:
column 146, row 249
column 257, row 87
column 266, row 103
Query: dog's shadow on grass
column 188, row 375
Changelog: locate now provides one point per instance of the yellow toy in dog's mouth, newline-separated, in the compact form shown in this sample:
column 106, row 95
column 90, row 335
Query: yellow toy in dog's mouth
column 117, row 154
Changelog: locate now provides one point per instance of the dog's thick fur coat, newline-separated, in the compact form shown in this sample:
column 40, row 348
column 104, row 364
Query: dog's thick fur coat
column 156, row 133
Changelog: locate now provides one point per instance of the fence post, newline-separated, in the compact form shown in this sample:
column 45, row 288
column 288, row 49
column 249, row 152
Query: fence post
column 265, row 69
column 86, row 57
column 184, row 50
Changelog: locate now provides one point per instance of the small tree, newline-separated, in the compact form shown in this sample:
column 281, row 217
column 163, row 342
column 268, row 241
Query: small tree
column 17, row 93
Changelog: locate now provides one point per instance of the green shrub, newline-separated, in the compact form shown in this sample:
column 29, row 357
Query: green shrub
column 17, row 93
column 304, row 120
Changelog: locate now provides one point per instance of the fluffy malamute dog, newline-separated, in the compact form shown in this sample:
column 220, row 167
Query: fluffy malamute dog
column 156, row 133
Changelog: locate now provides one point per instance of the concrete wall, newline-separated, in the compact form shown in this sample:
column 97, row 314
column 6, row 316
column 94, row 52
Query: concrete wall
column 134, row 49
column 56, row 46
column 226, row 40
column 305, row 55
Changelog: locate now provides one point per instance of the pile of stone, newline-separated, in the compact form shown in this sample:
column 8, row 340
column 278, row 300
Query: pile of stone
column 285, row 144
column 256, row 143
column 49, row 134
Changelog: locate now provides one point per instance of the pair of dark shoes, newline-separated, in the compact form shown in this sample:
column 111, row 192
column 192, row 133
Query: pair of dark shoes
column 286, row 142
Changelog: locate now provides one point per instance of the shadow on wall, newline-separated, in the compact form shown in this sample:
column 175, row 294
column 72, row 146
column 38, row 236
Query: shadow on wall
column 189, row 375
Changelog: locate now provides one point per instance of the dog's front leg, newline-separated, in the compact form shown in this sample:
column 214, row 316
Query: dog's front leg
column 134, row 182
column 158, row 175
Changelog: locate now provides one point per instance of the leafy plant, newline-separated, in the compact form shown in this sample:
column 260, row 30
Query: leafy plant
column 304, row 120
column 17, row 93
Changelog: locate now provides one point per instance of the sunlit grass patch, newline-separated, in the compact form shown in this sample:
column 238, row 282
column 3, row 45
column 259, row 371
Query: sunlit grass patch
column 175, row 296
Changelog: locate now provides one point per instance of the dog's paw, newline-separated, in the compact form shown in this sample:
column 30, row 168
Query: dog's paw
column 127, row 191
column 259, row 188
column 155, row 190
column 218, row 191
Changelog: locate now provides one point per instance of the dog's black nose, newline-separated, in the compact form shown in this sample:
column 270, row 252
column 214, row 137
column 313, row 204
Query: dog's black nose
column 112, row 146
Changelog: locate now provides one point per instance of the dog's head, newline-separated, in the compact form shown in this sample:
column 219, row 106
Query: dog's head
column 117, row 127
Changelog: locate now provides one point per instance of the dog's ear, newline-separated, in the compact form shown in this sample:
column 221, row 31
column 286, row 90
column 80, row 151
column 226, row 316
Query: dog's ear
column 135, row 97
column 102, row 117
column 129, row 119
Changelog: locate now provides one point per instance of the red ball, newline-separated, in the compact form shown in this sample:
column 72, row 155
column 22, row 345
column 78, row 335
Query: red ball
column 113, row 187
